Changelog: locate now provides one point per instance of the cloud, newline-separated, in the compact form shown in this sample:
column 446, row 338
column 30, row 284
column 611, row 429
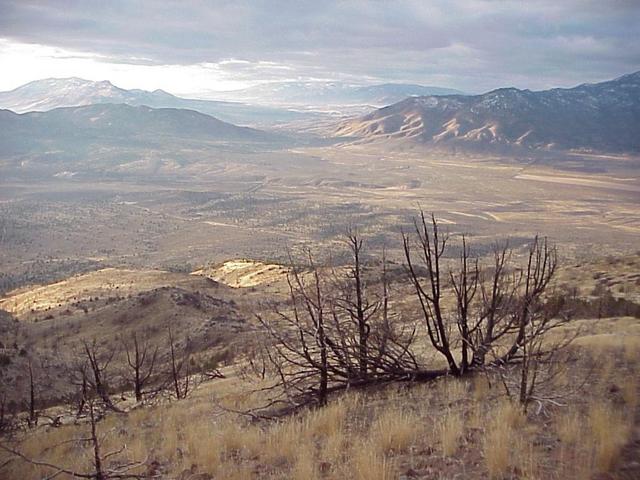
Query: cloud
column 473, row 45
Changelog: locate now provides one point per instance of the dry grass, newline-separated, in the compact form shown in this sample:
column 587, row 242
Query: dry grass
column 499, row 438
column 632, row 349
column 481, row 387
column 334, row 448
column 368, row 464
column 630, row 393
column 327, row 421
column 609, row 432
column 451, row 431
column 569, row 427
column 305, row 467
column 394, row 431
column 455, row 390
column 282, row 442
column 374, row 435
column 204, row 447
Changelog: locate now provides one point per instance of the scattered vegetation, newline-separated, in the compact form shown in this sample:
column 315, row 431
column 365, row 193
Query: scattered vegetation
column 463, row 363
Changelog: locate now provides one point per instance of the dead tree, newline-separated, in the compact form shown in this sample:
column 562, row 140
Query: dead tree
column 179, row 374
column 493, row 306
column 432, row 244
column 334, row 333
column 541, row 360
column 533, row 281
column 298, row 353
column 32, row 421
column 353, row 300
column 141, row 361
column 104, row 466
column 498, row 291
column 465, row 286
column 337, row 329
column 77, row 373
column 98, row 363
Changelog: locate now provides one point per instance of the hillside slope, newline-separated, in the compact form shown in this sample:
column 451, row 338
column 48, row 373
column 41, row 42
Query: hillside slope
column 109, row 306
column 600, row 117
column 115, row 124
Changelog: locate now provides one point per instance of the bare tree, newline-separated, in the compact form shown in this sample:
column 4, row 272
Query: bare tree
column 353, row 299
column 298, row 353
column 334, row 332
column 541, row 360
column 142, row 361
column 98, row 362
column 32, row 420
column 104, row 466
column 337, row 328
column 432, row 246
column 78, row 377
column 179, row 375
column 494, row 308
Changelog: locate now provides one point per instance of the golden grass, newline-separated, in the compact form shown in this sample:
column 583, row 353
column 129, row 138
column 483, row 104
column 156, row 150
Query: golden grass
column 609, row 432
column 499, row 437
column 368, row 463
column 334, row 448
column 630, row 393
column 283, row 440
column 455, row 390
column 451, row 431
column 481, row 387
column 394, row 430
column 632, row 349
column 168, row 441
column 326, row 421
column 373, row 435
column 239, row 441
column 305, row 467
column 204, row 446
column 569, row 427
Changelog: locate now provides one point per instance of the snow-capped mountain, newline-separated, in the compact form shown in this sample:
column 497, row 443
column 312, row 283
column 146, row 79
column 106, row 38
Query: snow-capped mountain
column 50, row 93
column 333, row 93
column 602, row 116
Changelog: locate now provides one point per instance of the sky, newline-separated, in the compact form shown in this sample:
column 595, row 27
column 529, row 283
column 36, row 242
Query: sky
column 200, row 47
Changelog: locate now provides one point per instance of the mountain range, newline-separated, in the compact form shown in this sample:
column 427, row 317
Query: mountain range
column 262, row 106
column 321, row 94
column 590, row 117
column 51, row 93
column 600, row 117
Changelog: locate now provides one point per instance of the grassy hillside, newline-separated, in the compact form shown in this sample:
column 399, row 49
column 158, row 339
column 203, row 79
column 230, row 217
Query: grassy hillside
column 585, row 424
column 451, row 428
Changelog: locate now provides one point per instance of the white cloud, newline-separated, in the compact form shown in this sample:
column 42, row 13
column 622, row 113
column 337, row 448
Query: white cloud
column 190, row 45
column 22, row 63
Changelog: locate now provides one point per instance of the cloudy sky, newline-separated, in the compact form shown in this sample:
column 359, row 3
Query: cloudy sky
column 191, row 46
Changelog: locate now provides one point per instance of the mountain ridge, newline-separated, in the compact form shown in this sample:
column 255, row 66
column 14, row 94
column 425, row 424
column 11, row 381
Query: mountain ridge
column 597, row 116
column 50, row 93
column 334, row 93
column 119, row 123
